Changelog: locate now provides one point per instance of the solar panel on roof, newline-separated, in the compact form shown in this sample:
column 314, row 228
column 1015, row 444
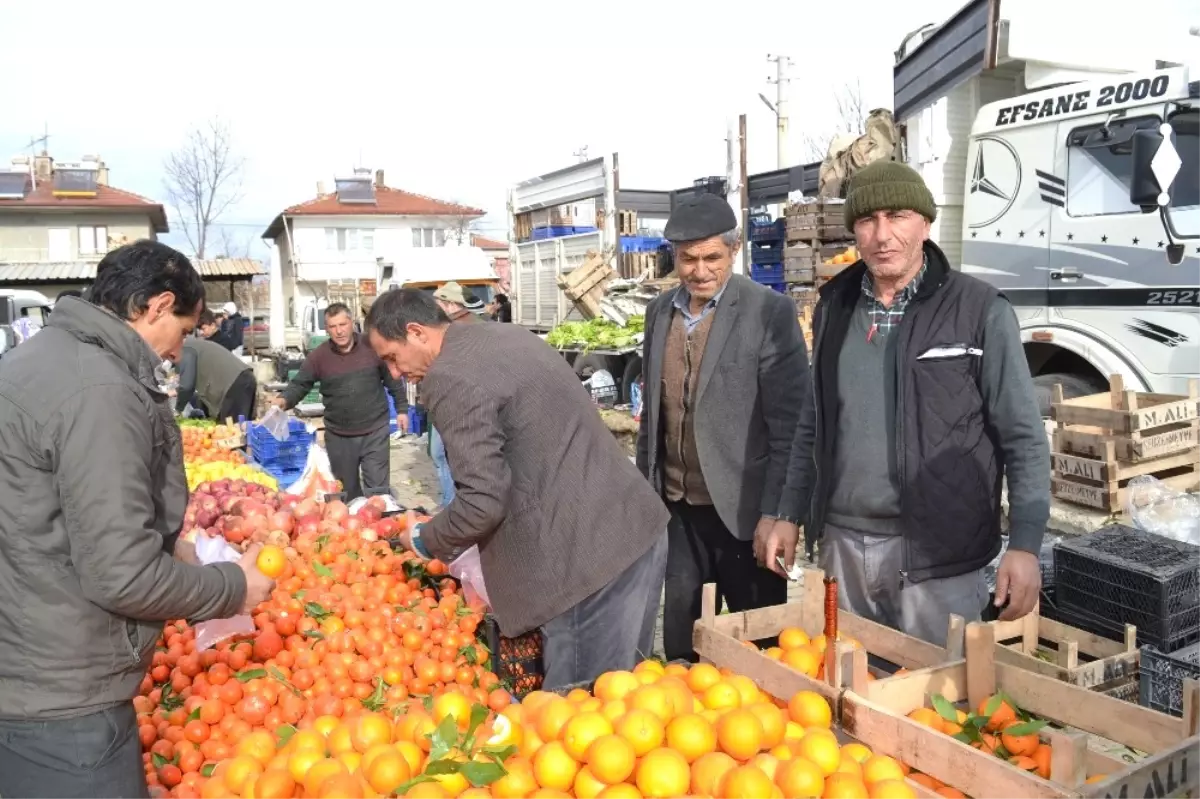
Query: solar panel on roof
column 355, row 191
column 75, row 182
column 12, row 185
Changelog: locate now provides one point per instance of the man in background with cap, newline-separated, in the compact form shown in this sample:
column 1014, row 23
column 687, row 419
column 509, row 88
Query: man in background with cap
column 726, row 375
column 460, row 305
column 924, row 405
column 233, row 328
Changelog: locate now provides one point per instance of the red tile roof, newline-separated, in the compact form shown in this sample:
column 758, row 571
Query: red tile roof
column 388, row 202
column 107, row 198
column 484, row 243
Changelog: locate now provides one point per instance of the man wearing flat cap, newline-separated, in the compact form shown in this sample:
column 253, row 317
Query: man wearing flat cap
column 726, row 375
column 459, row 303
column 923, row 406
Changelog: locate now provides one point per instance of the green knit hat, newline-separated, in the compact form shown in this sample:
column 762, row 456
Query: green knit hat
column 887, row 186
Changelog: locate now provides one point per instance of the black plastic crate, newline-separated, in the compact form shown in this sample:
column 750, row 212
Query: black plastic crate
column 766, row 254
column 1121, row 575
column 1162, row 675
column 516, row 661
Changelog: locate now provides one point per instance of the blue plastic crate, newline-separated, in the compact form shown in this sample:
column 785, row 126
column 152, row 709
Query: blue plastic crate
column 766, row 273
column 416, row 421
column 769, row 254
column 780, row 287
column 267, row 448
column 558, row 231
column 285, row 476
column 641, row 243
column 764, row 229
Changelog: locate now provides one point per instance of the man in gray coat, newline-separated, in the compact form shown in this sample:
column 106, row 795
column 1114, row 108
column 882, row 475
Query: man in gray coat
column 537, row 473
column 726, row 374
column 92, row 497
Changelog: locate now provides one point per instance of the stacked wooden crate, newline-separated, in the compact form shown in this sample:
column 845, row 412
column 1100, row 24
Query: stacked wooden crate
column 816, row 233
column 1102, row 441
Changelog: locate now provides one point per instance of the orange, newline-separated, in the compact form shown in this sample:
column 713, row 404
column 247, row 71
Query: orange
column 821, row 748
column 1041, row 756
column 773, row 721
column 682, row 700
column 740, row 734
column 325, row 725
column 274, row 784
column 844, row 786
column 341, row 739
column 517, row 783
column 271, row 561
column 411, row 753
column 857, row 751
column 891, row 789
column 745, row 782
column 721, row 696
column 372, row 729
column 341, row 786
column 621, row 790
column 644, row 730
column 579, row 733
column 427, row 790
column 792, row 638
column 387, row 771
column 707, row 772
column 613, row 709
column 880, row 768
column 615, row 685
column 1023, row 762
column 259, row 745
column 800, row 778
column 552, row 717
column 452, row 704
column 309, row 739
column 301, row 760
column 805, row 659
column 932, row 783
column 611, row 759
column 241, row 773
column 766, row 763
column 929, row 717
column 1019, row 744
column 654, row 699
column 692, row 736
column 586, row 785
column 702, row 676
column 653, row 668
column 809, row 709
column 848, row 765
column 746, row 689
column 554, row 768
column 320, row 772
column 663, row 773
column 1002, row 713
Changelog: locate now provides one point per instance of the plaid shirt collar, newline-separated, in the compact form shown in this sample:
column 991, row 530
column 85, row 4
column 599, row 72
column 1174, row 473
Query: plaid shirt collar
column 885, row 318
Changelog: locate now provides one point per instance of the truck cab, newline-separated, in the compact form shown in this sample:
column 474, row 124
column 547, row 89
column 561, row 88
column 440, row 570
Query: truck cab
column 16, row 303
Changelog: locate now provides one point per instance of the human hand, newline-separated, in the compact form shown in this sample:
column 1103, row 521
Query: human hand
column 280, row 403
column 1019, row 583
column 402, row 422
column 258, row 585
column 185, row 551
column 774, row 538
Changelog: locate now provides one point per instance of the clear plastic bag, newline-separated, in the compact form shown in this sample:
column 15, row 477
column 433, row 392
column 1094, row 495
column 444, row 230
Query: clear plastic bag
column 1157, row 508
column 212, row 632
column 276, row 423
column 317, row 480
column 468, row 568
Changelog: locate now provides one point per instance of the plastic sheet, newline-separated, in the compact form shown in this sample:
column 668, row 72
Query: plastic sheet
column 1157, row 508
column 210, row 633
column 468, row 568
column 276, row 423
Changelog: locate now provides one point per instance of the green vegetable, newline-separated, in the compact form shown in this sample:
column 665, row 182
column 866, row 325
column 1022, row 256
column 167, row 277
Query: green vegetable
column 596, row 334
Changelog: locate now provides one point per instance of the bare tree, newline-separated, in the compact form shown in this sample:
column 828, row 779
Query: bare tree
column 203, row 179
column 462, row 227
column 851, row 117
column 232, row 245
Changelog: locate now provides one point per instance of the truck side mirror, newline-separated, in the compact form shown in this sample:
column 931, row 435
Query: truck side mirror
column 1143, row 186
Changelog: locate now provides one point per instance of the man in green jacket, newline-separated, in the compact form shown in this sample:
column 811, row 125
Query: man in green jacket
column 220, row 381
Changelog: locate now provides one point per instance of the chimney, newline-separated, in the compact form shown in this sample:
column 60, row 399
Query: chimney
column 43, row 166
column 378, row 178
column 101, row 172
column 320, row 188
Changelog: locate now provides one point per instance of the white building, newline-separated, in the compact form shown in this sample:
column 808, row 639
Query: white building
column 346, row 234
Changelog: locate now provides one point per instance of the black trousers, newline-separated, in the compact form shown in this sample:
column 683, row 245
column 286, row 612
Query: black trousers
column 239, row 399
column 371, row 453
column 700, row 549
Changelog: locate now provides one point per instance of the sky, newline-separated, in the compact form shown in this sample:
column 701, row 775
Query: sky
column 457, row 101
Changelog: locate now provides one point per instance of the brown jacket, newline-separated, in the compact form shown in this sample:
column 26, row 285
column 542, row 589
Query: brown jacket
column 557, row 509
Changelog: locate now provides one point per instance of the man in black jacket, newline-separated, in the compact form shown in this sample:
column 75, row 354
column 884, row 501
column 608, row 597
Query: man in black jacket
column 923, row 406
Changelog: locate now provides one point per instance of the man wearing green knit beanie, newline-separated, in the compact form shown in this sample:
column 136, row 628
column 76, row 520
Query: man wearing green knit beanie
column 923, row 407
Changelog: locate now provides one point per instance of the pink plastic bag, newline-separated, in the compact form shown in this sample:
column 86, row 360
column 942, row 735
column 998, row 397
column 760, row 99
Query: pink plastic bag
column 467, row 568
column 210, row 633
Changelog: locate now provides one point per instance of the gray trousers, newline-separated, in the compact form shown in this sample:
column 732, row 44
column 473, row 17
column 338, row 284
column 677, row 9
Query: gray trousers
column 612, row 629
column 97, row 755
column 868, row 568
column 372, row 453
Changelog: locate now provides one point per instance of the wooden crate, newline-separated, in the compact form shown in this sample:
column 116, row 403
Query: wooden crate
column 876, row 713
column 1080, row 658
column 584, row 285
column 1139, row 425
column 819, row 221
column 627, row 223
column 721, row 640
column 638, row 264
column 523, row 226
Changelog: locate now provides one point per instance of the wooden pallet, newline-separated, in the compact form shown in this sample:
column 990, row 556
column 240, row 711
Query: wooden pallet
column 1080, row 658
column 721, row 639
column 627, row 223
column 819, row 221
column 584, row 285
column 636, row 264
column 523, row 226
column 876, row 713
column 1140, row 425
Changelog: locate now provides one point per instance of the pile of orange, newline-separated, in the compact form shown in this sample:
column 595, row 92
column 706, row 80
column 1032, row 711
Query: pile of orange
column 199, row 444
column 804, row 654
column 352, row 630
column 847, row 256
column 997, row 727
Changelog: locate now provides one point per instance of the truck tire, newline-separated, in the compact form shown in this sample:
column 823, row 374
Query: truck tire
column 587, row 365
column 633, row 373
column 1073, row 386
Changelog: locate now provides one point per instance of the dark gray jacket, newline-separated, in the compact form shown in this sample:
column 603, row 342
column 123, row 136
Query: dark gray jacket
column 753, row 381
column 92, row 496
column 207, row 370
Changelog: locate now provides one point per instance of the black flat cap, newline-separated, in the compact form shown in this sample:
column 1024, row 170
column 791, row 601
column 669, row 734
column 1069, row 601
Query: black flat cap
column 700, row 217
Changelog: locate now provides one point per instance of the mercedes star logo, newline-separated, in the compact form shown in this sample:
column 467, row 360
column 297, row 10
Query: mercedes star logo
column 995, row 182
column 980, row 181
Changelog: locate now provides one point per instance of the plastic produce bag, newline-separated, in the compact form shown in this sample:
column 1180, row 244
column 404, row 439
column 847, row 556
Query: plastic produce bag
column 210, row 633
column 1045, row 560
column 276, row 423
column 468, row 569
column 1160, row 509
column 317, row 479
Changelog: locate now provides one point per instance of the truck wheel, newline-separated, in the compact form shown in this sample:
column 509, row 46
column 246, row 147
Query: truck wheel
column 587, row 365
column 1073, row 386
column 633, row 373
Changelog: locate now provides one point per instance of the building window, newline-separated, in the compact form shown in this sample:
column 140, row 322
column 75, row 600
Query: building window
column 349, row 239
column 428, row 237
column 93, row 240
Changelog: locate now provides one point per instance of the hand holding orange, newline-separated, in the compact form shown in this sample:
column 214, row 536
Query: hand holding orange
column 271, row 561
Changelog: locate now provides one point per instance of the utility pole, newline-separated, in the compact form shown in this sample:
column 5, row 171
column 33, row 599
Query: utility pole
column 781, row 81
